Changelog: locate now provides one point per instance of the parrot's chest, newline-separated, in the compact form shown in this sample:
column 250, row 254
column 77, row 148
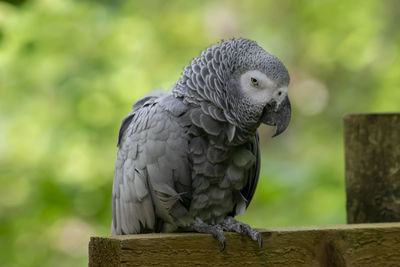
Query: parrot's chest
column 218, row 175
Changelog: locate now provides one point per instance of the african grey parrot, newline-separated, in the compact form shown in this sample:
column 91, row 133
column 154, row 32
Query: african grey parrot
column 189, row 160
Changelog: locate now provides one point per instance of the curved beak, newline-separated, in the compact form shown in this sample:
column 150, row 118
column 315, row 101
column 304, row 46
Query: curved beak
column 277, row 114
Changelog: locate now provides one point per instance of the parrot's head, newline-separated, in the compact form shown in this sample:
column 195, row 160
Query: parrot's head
column 261, row 81
column 247, row 83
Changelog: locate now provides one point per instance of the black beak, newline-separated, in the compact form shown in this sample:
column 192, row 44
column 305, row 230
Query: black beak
column 279, row 117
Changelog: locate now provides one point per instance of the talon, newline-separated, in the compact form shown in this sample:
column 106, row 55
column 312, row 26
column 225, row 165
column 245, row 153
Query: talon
column 223, row 243
column 230, row 224
column 260, row 241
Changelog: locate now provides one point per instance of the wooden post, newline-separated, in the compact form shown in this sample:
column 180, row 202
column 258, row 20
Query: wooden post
column 372, row 145
column 345, row 245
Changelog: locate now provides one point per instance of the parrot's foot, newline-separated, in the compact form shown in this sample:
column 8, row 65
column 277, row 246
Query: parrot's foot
column 215, row 230
column 229, row 224
column 232, row 225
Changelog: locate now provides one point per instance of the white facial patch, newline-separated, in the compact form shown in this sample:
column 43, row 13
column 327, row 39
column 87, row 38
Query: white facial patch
column 258, row 87
column 260, row 94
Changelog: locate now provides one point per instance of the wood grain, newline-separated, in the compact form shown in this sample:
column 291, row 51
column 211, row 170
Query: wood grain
column 345, row 245
column 372, row 145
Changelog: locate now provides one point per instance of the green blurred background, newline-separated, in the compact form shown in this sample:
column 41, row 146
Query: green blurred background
column 70, row 71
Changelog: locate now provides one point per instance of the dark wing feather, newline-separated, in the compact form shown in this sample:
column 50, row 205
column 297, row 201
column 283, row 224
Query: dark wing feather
column 253, row 173
column 124, row 125
column 128, row 119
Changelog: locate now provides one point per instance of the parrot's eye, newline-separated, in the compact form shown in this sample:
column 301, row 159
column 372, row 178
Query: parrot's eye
column 254, row 82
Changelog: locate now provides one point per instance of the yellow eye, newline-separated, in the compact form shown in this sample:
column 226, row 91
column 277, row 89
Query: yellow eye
column 254, row 82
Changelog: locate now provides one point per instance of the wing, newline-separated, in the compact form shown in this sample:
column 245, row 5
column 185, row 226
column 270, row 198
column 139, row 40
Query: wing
column 251, row 155
column 151, row 182
column 253, row 173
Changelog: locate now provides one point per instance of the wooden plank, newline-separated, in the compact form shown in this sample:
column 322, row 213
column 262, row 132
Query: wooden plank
column 345, row 245
column 372, row 145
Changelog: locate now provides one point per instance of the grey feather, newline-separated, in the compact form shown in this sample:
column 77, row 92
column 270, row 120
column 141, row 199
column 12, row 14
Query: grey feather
column 210, row 125
column 241, row 203
column 234, row 173
column 195, row 117
column 139, row 185
column 244, row 159
column 231, row 132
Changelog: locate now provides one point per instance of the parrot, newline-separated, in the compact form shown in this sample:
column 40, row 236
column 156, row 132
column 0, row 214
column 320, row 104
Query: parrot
column 189, row 159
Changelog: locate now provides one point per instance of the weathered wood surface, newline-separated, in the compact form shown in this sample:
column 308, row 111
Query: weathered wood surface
column 345, row 245
column 372, row 145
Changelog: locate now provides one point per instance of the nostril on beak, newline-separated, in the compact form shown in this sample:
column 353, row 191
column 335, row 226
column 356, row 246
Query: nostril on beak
column 272, row 105
column 281, row 92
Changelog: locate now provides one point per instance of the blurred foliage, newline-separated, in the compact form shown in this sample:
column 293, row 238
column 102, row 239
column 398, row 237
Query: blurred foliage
column 70, row 71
